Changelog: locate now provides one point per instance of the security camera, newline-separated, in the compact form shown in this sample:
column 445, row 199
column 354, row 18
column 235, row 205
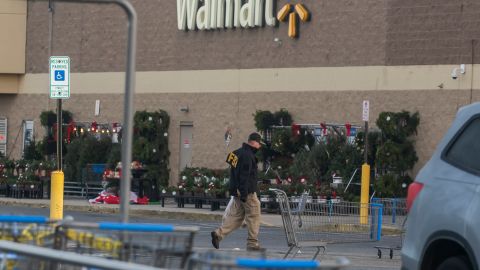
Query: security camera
column 455, row 71
column 454, row 74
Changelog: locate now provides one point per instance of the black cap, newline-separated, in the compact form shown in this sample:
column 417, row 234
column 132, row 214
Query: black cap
column 255, row 137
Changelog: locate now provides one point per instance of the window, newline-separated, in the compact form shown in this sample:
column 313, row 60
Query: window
column 463, row 151
column 3, row 136
column 27, row 134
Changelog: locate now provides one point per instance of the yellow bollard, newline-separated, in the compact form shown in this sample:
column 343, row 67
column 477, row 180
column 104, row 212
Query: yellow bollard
column 365, row 191
column 56, row 195
column 284, row 11
column 292, row 25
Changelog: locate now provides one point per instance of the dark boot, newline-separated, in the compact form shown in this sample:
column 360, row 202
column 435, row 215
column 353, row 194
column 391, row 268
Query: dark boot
column 215, row 240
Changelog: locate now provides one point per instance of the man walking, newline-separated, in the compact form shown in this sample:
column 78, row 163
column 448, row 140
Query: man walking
column 243, row 186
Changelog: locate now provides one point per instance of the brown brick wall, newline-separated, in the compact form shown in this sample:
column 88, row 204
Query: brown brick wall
column 340, row 33
column 212, row 113
column 432, row 32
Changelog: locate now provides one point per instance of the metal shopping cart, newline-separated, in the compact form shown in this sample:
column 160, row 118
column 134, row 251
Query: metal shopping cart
column 314, row 224
column 34, row 230
column 292, row 221
column 16, row 256
column 393, row 221
column 159, row 245
column 395, row 247
column 217, row 260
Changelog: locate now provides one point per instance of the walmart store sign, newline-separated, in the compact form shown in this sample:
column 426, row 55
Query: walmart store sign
column 218, row 14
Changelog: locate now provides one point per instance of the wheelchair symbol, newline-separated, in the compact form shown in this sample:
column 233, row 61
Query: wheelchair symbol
column 59, row 75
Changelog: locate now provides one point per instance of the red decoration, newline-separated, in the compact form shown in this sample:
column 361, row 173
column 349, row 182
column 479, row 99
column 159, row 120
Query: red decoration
column 324, row 128
column 278, row 181
column 94, row 126
column 115, row 127
column 108, row 173
column 348, row 127
column 295, row 130
column 111, row 199
column 70, row 129
column 143, row 200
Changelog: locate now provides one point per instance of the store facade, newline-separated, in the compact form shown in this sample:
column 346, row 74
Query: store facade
column 212, row 64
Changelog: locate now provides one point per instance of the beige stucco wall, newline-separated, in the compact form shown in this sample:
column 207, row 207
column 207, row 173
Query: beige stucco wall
column 363, row 78
column 13, row 25
column 218, row 99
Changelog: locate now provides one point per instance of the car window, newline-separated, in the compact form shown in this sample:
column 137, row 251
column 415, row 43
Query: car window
column 464, row 152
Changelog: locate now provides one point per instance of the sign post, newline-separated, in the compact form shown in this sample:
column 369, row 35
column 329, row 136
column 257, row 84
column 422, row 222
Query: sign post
column 365, row 116
column 59, row 89
column 128, row 100
column 365, row 187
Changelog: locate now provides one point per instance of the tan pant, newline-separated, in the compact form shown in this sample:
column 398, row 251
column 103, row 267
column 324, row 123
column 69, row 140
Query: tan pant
column 239, row 211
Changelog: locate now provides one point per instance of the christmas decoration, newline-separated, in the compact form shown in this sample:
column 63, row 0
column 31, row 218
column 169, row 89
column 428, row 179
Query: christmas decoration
column 348, row 129
column 94, row 127
column 295, row 130
column 70, row 129
column 324, row 129
column 395, row 155
column 150, row 147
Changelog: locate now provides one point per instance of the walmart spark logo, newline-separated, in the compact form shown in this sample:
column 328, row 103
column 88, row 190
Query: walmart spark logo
column 292, row 13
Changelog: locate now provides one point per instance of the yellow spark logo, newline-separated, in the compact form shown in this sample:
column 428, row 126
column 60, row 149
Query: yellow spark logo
column 287, row 10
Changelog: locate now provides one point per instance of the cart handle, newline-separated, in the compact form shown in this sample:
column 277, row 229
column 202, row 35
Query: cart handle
column 262, row 263
column 23, row 219
column 145, row 227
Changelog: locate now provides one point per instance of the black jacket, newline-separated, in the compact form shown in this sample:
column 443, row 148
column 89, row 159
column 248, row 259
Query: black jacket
column 243, row 171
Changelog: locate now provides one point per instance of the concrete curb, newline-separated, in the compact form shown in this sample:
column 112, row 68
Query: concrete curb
column 115, row 209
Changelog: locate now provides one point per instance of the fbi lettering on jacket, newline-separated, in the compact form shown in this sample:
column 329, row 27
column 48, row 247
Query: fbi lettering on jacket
column 232, row 159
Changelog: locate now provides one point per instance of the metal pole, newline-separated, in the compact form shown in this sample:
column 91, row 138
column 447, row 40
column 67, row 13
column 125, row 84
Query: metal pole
column 59, row 134
column 127, row 128
column 51, row 11
column 365, row 152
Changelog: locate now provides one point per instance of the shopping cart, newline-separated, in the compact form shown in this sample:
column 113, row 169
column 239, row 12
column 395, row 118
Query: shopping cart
column 314, row 224
column 156, row 245
column 292, row 222
column 218, row 260
column 34, row 230
column 397, row 246
column 16, row 256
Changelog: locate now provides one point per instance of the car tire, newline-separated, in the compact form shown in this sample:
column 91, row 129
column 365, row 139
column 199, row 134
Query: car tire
column 455, row 263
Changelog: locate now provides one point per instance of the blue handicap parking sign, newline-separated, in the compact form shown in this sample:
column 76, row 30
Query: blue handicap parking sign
column 59, row 75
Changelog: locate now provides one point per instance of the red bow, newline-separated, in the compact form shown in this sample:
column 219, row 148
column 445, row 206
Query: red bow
column 324, row 128
column 295, row 130
column 348, row 127
column 70, row 129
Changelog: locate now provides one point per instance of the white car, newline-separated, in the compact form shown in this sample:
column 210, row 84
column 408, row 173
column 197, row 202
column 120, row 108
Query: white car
column 443, row 226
